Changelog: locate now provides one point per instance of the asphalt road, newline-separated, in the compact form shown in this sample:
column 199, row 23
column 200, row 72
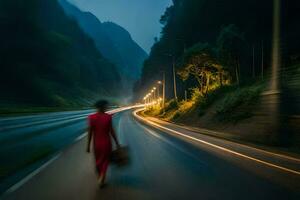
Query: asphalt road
column 162, row 167
column 27, row 142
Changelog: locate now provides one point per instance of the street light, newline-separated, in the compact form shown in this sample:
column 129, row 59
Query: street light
column 154, row 95
column 158, row 92
column 163, row 83
column 149, row 98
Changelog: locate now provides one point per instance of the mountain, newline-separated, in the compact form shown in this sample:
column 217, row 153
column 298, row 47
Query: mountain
column 47, row 60
column 113, row 41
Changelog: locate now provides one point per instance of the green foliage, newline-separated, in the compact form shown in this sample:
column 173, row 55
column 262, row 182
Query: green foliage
column 196, row 94
column 214, row 95
column 197, row 49
column 153, row 111
column 232, row 30
column 203, row 102
column 229, row 47
column 230, row 38
column 197, row 60
column 231, row 106
column 171, row 105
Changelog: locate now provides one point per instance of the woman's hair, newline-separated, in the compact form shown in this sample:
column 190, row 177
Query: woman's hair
column 101, row 105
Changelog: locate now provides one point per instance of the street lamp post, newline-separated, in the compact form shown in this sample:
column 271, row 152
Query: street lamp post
column 174, row 78
column 174, row 75
column 154, row 94
column 276, row 57
column 164, row 91
column 158, row 91
column 153, row 97
column 149, row 99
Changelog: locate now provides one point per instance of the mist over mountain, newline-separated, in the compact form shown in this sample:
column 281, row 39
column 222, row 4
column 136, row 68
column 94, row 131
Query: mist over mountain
column 47, row 60
column 113, row 41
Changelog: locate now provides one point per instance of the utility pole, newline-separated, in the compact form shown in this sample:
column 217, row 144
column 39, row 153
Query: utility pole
column 262, row 60
column 164, row 91
column 174, row 78
column 237, row 72
column 253, row 62
column 276, row 57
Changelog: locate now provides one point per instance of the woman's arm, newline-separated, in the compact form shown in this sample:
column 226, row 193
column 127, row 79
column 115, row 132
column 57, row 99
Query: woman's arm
column 89, row 139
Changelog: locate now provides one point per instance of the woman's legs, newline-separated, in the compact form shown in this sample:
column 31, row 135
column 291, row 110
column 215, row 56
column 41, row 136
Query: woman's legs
column 102, row 162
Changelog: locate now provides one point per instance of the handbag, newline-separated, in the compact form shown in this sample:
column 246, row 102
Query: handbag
column 120, row 156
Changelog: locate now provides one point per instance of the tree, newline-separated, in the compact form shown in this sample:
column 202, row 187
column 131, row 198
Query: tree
column 228, row 46
column 200, row 63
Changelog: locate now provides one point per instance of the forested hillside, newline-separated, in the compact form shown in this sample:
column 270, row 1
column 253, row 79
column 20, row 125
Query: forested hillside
column 237, row 69
column 47, row 60
column 113, row 41
column 237, row 35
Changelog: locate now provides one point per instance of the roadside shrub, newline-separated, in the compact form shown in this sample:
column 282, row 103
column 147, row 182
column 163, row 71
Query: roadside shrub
column 183, row 107
column 229, row 108
column 171, row 105
column 153, row 111
column 196, row 94
column 204, row 102
column 176, row 115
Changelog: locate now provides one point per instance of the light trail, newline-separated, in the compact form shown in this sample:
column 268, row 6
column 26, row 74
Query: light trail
column 214, row 145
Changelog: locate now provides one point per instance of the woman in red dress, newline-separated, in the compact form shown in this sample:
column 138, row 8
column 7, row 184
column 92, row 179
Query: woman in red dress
column 101, row 130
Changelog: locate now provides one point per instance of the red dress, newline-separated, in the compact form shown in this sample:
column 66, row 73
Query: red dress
column 101, row 127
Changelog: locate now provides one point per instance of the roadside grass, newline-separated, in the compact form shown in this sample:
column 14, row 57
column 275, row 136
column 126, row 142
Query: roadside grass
column 232, row 103
column 152, row 111
column 236, row 105
column 173, row 110
column 183, row 108
column 204, row 102
column 171, row 105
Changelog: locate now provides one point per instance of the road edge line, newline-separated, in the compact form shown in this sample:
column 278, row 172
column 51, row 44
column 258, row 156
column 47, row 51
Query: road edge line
column 193, row 129
column 214, row 145
column 27, row 178
column 20, row 183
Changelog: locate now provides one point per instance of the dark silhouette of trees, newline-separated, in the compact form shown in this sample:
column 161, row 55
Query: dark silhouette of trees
column 232, row 27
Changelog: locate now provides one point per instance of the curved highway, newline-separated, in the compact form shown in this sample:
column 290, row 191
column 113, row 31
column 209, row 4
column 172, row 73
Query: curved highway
column 162, row 167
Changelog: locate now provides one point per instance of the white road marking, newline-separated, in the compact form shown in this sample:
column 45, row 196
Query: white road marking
column 80, row 137
column 257, row 149
column 171, row 144
column 216, row 146
column 31, row 175
column 35, row 172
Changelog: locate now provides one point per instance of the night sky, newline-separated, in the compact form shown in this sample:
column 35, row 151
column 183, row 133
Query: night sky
column 139, row 17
